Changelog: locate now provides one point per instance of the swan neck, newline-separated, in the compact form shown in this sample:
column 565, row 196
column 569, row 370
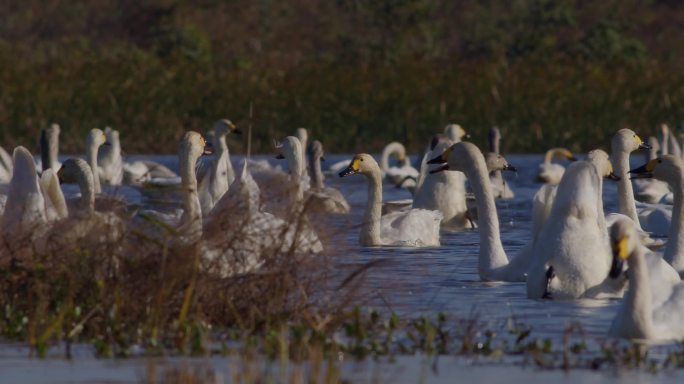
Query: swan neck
column 626, row 203
column 49, row 150
column 674, row 253
column 638, row 297
column 85, row 181
column 92, row 162
column 316, row 174
column 370, row 231
column 492, row 255
column 389, row 149
column 191, row 205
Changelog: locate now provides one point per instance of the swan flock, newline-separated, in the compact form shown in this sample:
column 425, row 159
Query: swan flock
column 237, row 215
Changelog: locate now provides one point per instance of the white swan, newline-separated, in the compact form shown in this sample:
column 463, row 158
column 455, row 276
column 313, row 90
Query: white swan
column 415, row 227
column 670, row 142
column 551, row 173
column 571, row 254
column 493, row 263
column 95, row 139
column 215, row 173
column 397, row 174
column 443, row 191
column 55, row 203
column 651, row 218
column 652, row 191
column 303, row 135
column 501, row 188
column 640, row 317
column 331, row 199
column 670, row 169
column 109, row 161
column 49, row 148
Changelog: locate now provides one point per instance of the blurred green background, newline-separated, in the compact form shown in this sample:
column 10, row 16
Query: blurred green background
column 357, row 73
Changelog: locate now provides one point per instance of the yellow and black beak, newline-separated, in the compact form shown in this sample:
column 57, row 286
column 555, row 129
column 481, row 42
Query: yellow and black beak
column 353, row 168
column 619, row 256
column 441, row 159
column 235, row 129
column 509, row 167
column 643, row 145
column 646, row 170
column 613, row 176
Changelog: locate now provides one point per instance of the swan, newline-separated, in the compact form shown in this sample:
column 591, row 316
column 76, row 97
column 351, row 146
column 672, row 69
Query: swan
column 453, row 133
column 640, row 317
column 397, row 175
column 652, row 191
column 303, row 135
column 215, row 173
column 5, row 166
column 109, row 161
column 330, row 198
column 650, row 218
column 670, row 169
column 55, row 203
column 95, row 139
column 443, row 191
column 551, row 173
column 571, row 254
column 415, row 227
column 493, row 263
column 500, row 187
column 49, row 148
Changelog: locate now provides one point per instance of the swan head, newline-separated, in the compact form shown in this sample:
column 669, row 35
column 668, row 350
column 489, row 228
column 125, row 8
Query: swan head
column 667, row 168
column 111, row 134
column 53, row 130
column 223, row 127
column 562, row 154
column 455, row 132
column 302, row 134
column 315, row 151
column 628, row 141
column 72, row 170
column 623, row 240
column 496, row 162
column 664, row 129
column 289, row 146
column 458, row 157
column 193, row 145
column 96, row 137
column 601, row 161
column 362, row 163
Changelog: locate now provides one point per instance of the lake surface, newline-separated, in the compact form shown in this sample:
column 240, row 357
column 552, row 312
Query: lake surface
column 413, row 282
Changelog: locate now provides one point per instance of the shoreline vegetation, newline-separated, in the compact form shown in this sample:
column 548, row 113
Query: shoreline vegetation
column 358, row 74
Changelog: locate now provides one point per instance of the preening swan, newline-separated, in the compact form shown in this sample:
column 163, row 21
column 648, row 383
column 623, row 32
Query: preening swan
column 443, row 191
column 397, row 174
column 571, row 255
column 49, row 148
column 215, row 173
column 109, row 161
column 500, row 187
column 493, row 264
column 640, row 317
column 414, row 227
column 551, row 173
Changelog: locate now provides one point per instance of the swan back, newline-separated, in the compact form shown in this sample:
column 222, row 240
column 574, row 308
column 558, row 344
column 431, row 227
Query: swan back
column 25, row 206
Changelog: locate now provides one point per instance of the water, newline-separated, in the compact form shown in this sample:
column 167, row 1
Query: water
column 412, row 282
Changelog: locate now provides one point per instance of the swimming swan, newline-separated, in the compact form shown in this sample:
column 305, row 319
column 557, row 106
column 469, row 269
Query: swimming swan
column 551, row 173
column 493, row 264
column 443, row 191
column 109, row 161
column 639, row 317
column 571, row 255
column 397, row 174
column 95, row 139
column 49, row 148
column 215, row 173
column 330, row 199
column 412, row 228
column 501, row 189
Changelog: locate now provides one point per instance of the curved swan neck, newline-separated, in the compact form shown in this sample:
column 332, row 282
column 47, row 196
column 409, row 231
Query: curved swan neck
column 492, row 254
column 548, row 156
column 626, row 203
column 390, row 149
column 84, row 179
column 92, row 162
column 674, row 253
column 638, row 297
column 370, row 230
